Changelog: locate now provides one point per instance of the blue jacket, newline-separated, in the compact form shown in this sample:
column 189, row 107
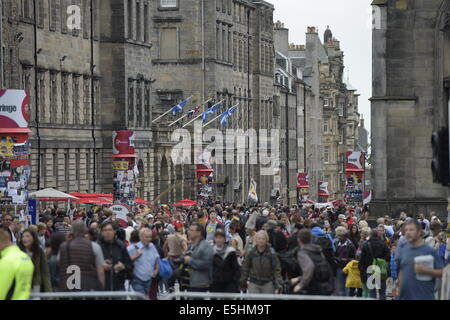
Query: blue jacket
column 393, row 266
column 318, row 232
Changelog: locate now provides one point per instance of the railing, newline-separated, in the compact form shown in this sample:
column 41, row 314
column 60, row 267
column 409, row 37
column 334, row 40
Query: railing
column 89, row 295
column 251, row 296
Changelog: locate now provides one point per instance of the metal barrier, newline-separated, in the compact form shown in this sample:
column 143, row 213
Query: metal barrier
column 89, row 295
column 252, row 296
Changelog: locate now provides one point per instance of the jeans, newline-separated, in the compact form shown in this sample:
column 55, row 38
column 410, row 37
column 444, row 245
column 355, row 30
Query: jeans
column 141, row 286
column 382, row 291
column 352, row 292
column 341, row 277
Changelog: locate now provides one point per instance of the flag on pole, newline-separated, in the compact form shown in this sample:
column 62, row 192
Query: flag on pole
column 194, row 111
column 252, row 191
column 179, row 107
column 210, row 111
column 227, row 114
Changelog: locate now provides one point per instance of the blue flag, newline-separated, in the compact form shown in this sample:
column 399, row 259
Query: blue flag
column 179, row 107
column 210, row 111
column 227, row 114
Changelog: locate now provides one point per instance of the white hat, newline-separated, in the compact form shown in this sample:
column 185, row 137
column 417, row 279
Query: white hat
column 150, row 216
column 265, row 212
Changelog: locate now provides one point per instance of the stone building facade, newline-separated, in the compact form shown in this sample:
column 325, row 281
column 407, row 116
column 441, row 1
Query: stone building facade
column 340, row 117
column 231, row 61
column 88, row 83
column 302, row 121
column 410, row 100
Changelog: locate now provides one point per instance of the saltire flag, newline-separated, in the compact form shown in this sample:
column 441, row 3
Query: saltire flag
column 179, row 107
column 210, row 111
column 227, row 114
column 194, row 111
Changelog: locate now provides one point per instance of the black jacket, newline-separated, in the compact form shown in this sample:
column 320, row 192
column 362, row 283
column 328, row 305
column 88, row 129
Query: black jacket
column 277, row 240
column 116, row 251
column 292, row 242
column 226, row 269
column 371, row 249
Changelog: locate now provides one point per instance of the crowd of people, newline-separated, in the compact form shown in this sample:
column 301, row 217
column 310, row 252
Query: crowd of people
column 225, row 248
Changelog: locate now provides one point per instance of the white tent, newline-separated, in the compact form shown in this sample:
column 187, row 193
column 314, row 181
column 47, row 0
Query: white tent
column 50, row 193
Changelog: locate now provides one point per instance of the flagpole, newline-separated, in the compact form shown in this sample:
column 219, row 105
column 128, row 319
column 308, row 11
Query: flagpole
column 188, row 113
column 212, row 120
column 219, row 116
column 203, row 112
column 165, row 113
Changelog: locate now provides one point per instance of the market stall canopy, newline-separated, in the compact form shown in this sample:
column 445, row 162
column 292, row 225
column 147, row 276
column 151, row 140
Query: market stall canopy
column 185, row 203
column 51, row 194
column 140, row 201
column 100, row 197
column 92, row 201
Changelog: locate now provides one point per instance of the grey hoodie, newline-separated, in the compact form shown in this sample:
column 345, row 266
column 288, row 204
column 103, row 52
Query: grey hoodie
column 201, row 265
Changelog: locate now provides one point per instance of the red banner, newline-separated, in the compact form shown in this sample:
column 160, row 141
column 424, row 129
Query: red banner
column 354, row 161
column 123, row 142
column 323, row 189
column 303, row 180
column 13, row 109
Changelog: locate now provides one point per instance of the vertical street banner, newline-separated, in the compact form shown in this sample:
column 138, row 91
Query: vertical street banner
column 125, row 171
column 303, row 186
column 15, row 170
column 323, row 193
column 354, row 177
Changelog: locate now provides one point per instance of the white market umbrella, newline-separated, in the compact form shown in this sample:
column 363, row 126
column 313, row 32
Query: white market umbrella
column 51, row 193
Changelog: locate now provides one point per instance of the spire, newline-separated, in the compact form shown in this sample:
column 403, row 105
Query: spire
column 328, row 35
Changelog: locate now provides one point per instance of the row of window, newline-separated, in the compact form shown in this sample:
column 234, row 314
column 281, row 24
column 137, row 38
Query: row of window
column 67, row 170
column 267, row 57
column 138, row 106
column 64, row 98
column 53, row 15
column 138, row 23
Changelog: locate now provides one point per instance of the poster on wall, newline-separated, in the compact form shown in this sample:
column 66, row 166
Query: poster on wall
column 15, row 169
column 204, row 174
column 354, row 187
column 125, row 173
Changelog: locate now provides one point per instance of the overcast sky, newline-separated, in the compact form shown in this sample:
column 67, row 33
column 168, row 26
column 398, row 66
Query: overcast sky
column 350, row 22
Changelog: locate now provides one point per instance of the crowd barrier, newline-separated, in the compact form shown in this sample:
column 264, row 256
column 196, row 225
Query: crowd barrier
column 250, row 296
column 126, row 295
column 90, row 295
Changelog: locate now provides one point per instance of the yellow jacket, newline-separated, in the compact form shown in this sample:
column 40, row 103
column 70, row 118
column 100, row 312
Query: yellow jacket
column 353, row 275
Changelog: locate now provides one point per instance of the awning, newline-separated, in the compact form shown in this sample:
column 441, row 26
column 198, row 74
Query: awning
column 140, row 201
column 185, row 203
column 92, row 201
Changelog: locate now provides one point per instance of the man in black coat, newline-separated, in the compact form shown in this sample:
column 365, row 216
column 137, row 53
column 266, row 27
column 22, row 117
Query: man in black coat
column 276, row 237
column 226, row 269
column 118, row 264
column 372, row 249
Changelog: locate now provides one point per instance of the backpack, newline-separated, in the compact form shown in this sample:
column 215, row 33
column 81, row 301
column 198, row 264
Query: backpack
column 327, row 250
column 165, row 269
column 322, row 282
column 289, row 263
column 380, row 263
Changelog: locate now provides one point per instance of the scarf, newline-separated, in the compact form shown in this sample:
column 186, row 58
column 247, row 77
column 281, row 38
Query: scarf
column 220, row 251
